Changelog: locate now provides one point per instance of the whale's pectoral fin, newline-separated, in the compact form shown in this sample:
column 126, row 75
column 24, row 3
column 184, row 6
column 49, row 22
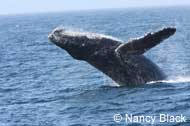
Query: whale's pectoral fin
column 141, row 45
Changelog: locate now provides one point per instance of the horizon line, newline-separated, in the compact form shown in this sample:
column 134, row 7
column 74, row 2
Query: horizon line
column 93, row 9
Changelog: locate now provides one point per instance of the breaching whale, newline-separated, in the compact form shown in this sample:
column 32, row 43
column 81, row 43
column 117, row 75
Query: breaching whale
column 122, row 62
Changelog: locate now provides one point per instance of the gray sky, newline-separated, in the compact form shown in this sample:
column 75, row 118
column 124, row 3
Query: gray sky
column 35, row 6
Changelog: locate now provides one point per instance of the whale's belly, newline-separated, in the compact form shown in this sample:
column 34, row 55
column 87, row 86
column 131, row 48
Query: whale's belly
column 135, row 70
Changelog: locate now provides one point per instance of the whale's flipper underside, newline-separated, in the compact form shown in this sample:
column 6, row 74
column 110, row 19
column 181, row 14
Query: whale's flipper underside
column 141, row 45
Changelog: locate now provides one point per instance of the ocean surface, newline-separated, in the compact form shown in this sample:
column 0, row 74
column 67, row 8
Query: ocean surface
column 41, row 85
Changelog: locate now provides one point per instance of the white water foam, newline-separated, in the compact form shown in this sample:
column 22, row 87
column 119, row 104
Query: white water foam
column 179, row 79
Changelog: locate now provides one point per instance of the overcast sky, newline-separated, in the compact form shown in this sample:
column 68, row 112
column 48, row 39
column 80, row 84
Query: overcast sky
column 35, row 6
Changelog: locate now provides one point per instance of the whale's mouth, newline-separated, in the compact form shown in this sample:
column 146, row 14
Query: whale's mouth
column 56, row 34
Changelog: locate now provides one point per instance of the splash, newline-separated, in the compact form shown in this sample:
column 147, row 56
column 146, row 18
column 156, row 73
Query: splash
column 173, row 80
column 179, row 79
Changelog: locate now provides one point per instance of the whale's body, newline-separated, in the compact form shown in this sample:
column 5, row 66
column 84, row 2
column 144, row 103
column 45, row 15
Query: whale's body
column 122, row 62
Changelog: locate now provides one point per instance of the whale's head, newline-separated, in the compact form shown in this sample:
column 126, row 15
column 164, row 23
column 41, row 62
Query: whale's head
column 80, row 45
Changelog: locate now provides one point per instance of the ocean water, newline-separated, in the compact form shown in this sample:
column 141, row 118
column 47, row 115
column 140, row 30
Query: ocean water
column 41, row 85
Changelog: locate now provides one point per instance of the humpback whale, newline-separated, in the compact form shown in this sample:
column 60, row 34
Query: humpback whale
column 123, row 62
